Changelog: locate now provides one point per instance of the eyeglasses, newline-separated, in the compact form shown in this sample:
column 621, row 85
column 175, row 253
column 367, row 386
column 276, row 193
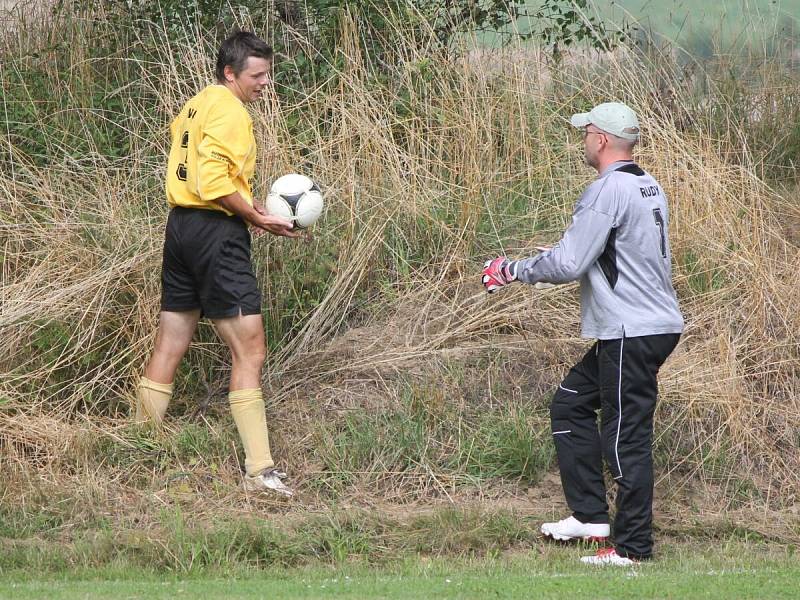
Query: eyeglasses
column 586, row 132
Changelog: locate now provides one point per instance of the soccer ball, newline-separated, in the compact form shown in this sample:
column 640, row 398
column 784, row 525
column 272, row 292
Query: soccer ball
column 295, row 198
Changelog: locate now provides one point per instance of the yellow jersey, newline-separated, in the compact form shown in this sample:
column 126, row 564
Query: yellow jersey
column 213, row 151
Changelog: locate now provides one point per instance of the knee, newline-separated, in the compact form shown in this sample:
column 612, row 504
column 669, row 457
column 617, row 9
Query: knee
column 253, row 353
column 170, row 349
column 259, row 355
column 560, row 407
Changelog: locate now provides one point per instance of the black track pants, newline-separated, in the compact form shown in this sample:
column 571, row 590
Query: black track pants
column 618, row 377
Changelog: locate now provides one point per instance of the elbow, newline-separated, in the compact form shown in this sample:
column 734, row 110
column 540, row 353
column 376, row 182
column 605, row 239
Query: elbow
column 222, row 202
column 566, row 273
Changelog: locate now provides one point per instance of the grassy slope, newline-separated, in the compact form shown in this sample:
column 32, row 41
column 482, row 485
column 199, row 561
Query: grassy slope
column 668, row 16
column 728, row 24
column 704, row 29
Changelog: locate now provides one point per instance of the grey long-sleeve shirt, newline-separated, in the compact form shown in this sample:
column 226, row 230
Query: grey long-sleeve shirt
column 617, row 247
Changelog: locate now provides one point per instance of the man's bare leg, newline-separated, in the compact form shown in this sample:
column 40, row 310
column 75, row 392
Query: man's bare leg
column 244, row 335
column 175, row 332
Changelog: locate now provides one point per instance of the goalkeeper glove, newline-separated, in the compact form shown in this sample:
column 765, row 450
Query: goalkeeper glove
column 498, row 272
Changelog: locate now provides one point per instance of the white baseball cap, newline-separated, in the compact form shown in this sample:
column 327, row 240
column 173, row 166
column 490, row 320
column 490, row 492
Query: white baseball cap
column 612, row 117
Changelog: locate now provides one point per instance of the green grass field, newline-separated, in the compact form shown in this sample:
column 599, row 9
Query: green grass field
column 733, row 570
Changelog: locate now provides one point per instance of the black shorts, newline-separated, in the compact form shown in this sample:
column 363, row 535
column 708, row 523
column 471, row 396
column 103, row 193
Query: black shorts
column 207, row 265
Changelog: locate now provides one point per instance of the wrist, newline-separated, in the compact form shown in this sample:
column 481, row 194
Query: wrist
column 511, row 270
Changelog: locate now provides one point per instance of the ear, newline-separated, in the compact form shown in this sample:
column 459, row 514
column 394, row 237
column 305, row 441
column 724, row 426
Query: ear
column 229, row 74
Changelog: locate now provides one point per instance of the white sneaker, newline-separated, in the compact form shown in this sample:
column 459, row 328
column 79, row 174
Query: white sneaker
column 572, row 529
column 608, row 556
column 268, row 480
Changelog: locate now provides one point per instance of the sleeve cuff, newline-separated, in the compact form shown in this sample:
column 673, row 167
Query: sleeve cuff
column 512, row 269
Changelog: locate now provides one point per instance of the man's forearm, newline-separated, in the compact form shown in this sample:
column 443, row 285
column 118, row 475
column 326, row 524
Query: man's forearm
column 236, row 204
column 256, row 217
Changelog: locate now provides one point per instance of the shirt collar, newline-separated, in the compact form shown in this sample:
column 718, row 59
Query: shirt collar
column 227, row 89
column 613, row 167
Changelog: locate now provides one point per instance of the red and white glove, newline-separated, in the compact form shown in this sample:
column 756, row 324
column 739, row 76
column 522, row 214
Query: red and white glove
column 498, row 273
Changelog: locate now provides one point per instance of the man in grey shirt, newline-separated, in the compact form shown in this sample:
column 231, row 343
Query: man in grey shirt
column 617, row 247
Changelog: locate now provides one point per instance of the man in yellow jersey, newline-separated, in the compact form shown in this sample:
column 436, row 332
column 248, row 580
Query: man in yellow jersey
column 206, row 268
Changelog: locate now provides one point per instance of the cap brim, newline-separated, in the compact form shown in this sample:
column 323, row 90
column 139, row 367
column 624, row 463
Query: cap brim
column 580, row 120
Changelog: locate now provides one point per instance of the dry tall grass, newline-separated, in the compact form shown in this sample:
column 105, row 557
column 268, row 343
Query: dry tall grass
column 479, row 160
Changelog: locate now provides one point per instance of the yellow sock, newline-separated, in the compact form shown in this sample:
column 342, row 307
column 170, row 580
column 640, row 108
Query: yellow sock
column 247, row 408
column 152, row 400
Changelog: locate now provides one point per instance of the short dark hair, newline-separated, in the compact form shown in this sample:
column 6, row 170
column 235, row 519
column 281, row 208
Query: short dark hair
column 235, row 51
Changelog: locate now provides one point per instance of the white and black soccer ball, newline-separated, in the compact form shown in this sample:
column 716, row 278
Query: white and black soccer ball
column 295, row 198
